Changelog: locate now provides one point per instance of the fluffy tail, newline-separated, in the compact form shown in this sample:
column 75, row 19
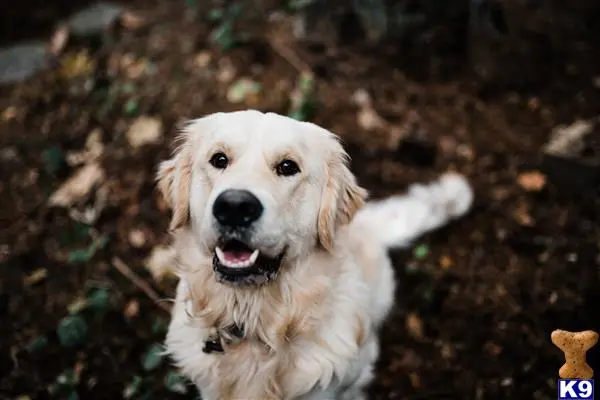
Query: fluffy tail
column 398, row 220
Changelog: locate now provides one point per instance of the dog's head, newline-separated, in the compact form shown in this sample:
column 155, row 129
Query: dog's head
column 258, row 191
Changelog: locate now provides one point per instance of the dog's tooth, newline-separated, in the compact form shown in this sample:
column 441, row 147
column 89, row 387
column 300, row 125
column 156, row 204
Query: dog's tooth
column 221, row 256
column 253, row 257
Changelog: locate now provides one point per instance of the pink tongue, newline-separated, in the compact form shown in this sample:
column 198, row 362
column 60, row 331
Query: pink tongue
column 237, row 256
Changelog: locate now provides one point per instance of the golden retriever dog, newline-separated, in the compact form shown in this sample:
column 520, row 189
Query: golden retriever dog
column 284, row 271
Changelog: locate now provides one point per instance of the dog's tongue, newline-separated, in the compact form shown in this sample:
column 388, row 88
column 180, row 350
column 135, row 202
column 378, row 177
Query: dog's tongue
column 237, row 256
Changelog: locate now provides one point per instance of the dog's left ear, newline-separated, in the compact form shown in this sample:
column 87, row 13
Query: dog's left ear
column 340, row 200
column 173, row 181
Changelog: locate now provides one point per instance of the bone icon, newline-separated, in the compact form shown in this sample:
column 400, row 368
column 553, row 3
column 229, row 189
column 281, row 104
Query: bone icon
column 575, row 346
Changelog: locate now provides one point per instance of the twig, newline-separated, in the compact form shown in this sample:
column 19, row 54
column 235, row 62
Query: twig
column 289, row 55
column 139, row 283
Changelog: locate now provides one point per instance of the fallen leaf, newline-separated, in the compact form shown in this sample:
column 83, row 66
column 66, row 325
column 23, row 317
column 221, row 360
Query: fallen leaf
column 144, row 130
column 226, row 71
column 77, row 186
column 161, row 262
column 414, row 380
column 176, row 383
column 77, row 305
column 132, row 309
column 21, row 61
column 76, row 65
column 414, row 325
column 153, row 357
column 532, row 181
column 72, row 331
column 420, row 252
column 202, row 59
column 133, row 387
column 361, row 98
column 35, row 277
column 37, row 344
column 131, row 20
column 85, row 255
column 98, row 300
column 242, row 89
column 59, row 39
column 523, row 216
column 94, row 19
column 369, row 120
column 94, row 148
column 8, row 113
column 137, row 238
column 446, row 262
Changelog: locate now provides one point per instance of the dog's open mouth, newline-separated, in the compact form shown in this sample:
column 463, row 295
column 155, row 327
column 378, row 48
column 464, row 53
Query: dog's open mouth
column 236, row 262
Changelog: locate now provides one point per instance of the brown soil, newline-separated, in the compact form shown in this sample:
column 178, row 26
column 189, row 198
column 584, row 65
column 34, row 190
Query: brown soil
column 472, row 318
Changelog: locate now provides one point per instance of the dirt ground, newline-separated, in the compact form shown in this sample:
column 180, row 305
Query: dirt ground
column 476, row 301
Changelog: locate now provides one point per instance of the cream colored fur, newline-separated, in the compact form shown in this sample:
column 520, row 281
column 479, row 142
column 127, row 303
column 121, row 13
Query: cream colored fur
column 312, row 332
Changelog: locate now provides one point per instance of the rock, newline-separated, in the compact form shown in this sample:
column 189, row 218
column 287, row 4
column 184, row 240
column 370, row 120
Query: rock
column 144, row 130
column 21, row 61
column 94, row 19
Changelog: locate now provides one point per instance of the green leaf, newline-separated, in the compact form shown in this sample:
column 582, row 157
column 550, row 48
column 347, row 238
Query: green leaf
column 37, row 344
column 420, row 252
column 85, row 255
column 133, row 387
column 176, row 383
column 159, row 326
column 98, row 300
column 72, row 331
column 241, row 89
column 235, row 11
column 224, row 36
column 72, row 395
column 215, row 14
column 153, row 357
column 131, row 107
column 54, row 159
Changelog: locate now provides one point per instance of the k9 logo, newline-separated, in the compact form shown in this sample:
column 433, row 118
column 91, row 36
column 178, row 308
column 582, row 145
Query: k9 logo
column 575, row 389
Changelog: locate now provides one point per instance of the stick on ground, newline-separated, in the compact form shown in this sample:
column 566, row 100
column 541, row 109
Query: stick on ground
column 140, row 283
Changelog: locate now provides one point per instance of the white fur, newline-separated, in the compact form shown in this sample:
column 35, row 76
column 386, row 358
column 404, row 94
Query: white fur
column 335, row 297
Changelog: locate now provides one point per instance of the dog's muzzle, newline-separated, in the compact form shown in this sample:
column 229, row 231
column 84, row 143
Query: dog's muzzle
column 236, row 263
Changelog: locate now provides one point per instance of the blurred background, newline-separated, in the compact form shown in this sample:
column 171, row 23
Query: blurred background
column 505, row 91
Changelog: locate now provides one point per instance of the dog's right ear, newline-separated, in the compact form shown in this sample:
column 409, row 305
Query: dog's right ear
column 173, row 181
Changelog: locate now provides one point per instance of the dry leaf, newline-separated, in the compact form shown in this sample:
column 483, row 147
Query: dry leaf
column 137, row 238
column 131, row 309
column 144, row 130
column 415, row 381
column 202, row 59
column 92, row 151
column 77, row 186
column 369, row 120
column 446, row 262
column 161, row 262
column 131, row 20
column 35, row 277
column 414, row 325
column 523, row 217
column 59, row 39
column 532, row 181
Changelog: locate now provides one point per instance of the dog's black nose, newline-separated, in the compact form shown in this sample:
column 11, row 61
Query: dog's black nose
column 237, row 208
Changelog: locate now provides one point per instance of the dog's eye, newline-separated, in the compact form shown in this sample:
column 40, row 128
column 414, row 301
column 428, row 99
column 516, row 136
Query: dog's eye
column 219, row 161
column 287, row 168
